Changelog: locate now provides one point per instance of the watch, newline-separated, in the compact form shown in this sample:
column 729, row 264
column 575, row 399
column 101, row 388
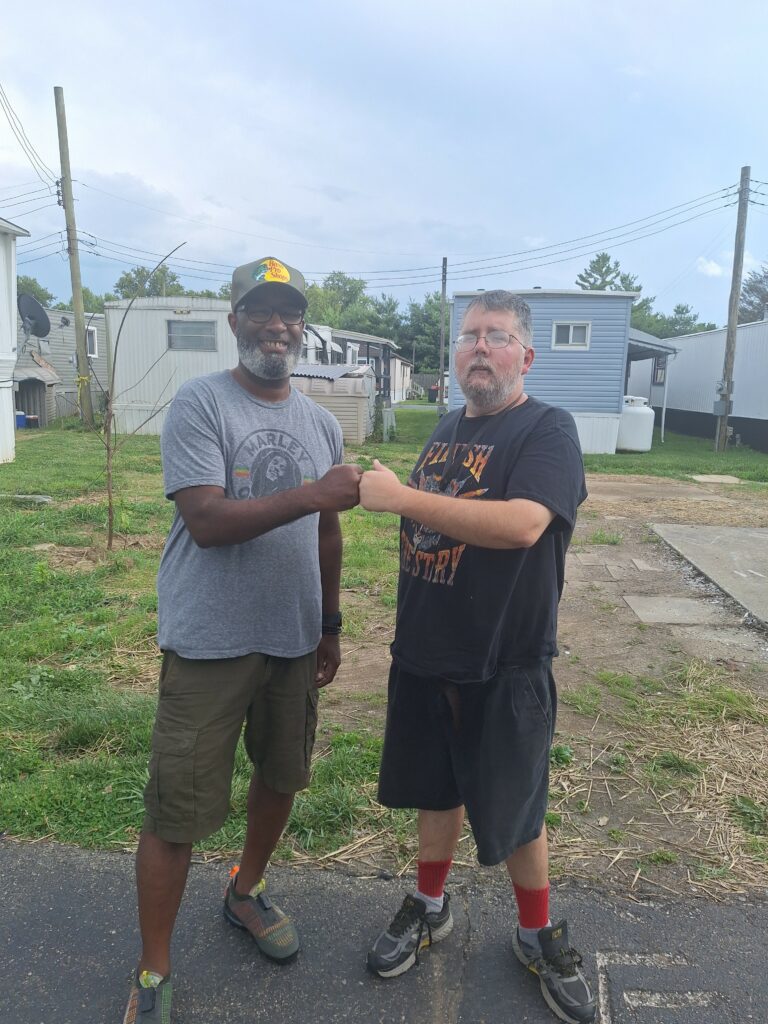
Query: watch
column 331, row 624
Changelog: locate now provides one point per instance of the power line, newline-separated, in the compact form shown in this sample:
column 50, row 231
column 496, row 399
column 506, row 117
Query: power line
column 26, row 213
column 39, row 166
column 15, row 200
column 34, row 241
column 20, row 184
column 35, row 259
column 38, row 248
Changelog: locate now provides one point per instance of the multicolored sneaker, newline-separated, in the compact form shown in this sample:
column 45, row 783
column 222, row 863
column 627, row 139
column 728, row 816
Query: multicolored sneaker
column 565, row 989
column 268, row 926
column 150, row 999
column 412, row 929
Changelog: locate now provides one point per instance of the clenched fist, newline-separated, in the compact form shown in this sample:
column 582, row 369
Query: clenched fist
column 380, row 490
column 339, row 489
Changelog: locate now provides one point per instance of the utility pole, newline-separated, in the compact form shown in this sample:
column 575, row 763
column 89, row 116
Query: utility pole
column 723, row 403
column 440, row 386
column 84, row 401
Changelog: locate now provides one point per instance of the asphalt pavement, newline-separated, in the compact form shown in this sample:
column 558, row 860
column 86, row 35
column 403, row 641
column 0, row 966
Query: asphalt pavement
column 69, row 940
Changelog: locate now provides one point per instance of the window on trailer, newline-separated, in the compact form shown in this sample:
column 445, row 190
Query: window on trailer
column 91, row 343
column 570, row 335
column 192, row 335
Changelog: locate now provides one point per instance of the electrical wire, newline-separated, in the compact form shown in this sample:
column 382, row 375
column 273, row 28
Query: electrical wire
column 41, row 169
column 34, row 241
column 36, row 259
column 38, row 248
column 16, row 200
column 26, row 213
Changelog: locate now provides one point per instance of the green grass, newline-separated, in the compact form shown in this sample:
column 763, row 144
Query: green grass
column 752, row 816
column 604, row 537
column 681, row 457
column 586, row 699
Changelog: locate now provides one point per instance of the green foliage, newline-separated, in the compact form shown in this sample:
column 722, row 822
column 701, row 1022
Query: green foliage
column 670, row 763
column 31, row 286
column 140, row 281
column 752, row 816
column 754, row 296
column 602, row 274
column 605, row 537
column 586, row 699
column 561, row 755
column 92, row 303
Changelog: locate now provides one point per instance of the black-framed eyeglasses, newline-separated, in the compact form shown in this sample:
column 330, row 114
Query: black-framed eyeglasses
column 290, row 315
column 493, row 339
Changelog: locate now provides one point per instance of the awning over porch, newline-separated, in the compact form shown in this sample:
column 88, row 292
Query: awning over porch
column 645, row 346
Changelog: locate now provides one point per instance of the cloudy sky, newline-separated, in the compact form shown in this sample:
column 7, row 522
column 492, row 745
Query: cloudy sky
column 376, row 138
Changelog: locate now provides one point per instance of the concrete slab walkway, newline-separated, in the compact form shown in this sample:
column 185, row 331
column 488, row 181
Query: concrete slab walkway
column 734, row 558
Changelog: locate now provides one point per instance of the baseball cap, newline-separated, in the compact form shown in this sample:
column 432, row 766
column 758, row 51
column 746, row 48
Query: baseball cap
column 268, row 270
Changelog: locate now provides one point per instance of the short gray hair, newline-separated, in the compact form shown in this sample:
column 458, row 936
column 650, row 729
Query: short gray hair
column 509, row 303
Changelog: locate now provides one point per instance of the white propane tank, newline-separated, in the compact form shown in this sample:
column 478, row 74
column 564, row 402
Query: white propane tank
column 635, row 425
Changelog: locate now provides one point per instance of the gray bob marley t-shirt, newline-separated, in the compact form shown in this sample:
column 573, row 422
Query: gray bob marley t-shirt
column 263, row 595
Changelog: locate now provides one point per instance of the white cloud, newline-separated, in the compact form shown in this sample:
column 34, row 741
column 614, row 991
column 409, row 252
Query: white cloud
column 535, row 241
column 709, row 268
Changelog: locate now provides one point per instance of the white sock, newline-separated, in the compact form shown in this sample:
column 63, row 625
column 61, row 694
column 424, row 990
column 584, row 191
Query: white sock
column 530, row 936
column 434, row 904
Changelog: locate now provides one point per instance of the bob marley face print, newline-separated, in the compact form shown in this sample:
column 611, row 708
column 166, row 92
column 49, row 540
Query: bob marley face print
column 269, row 461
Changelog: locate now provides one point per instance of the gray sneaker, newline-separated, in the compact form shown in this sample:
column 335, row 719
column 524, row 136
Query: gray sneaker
column 565, row 989
column 412, row 929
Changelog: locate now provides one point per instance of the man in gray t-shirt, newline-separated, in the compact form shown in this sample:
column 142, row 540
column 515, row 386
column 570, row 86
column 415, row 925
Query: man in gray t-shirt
column 248, row 614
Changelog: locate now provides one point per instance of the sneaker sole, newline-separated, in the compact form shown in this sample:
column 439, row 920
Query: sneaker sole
column 237, row 923
column 394, row 972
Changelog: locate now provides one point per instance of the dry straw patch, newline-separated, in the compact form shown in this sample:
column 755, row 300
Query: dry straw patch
column 675, row 795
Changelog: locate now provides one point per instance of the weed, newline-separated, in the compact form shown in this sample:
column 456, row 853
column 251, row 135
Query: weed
column 752, row 816
column 670, row 763
column 561, row 755
column 552, row 819
column 617, row 835
column 586, row 699
column 605, row 537
column 659, row 857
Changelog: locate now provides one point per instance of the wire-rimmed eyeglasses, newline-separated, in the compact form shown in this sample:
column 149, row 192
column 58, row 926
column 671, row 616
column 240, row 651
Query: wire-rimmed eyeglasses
column 493, row 339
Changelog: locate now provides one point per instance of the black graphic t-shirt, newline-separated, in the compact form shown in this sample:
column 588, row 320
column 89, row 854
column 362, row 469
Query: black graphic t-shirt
column 463, row 611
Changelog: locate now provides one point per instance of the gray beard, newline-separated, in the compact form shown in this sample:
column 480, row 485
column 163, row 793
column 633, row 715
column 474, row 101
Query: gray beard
column 267, row 365
column 491, row 392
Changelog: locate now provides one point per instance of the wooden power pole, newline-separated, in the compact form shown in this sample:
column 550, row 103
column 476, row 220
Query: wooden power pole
column 441, row 387
column 84, row 400
column 724, row 403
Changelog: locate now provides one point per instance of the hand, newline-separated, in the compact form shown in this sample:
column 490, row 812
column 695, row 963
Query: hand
column 328, row 660
column 380, row 490
column 339, row 489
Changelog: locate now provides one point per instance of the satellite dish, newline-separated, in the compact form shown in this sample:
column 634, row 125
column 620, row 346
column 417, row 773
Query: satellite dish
column 33, row 317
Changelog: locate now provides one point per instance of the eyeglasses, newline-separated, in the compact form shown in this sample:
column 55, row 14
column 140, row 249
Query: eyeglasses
column 263, row 314
column 493, row 339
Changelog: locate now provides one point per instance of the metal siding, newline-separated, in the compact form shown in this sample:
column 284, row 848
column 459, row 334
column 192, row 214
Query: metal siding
column 61, row 356
column 147, row 373
column 589, row 381
column 698, row 366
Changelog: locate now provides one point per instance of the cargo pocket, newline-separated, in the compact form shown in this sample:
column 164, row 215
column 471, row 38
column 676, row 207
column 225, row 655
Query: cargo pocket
column 170, row 795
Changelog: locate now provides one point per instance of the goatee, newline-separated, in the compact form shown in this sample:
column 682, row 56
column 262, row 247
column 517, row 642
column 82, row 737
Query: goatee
column 267, row 365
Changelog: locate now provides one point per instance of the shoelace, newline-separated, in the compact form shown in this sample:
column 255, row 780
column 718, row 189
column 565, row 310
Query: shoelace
column 565, row 961
column 406, row 917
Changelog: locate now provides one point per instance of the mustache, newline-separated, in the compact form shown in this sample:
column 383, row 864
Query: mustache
column 480, row 364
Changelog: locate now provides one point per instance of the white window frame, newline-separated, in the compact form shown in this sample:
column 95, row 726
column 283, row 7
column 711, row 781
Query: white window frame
column 90, row 332
column 185, row 348
column 571, row 346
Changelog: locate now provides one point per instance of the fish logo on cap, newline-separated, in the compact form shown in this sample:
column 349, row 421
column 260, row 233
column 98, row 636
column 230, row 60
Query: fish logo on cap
column 272, row 270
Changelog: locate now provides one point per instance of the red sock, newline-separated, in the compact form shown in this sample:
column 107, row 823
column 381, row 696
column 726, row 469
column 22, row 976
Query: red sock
column 431, row 877
column 532, row 907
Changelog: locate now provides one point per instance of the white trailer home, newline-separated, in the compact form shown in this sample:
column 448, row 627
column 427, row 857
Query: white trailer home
column 164, row 342
column 8, row 234
column 697, row 370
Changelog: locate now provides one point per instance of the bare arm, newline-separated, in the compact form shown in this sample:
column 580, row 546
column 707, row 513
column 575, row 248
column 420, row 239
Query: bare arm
column 214, row 520
column 329, row 546
column 517, row 523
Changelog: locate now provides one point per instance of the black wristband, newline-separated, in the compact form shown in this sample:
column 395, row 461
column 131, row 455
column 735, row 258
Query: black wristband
column 331, row 624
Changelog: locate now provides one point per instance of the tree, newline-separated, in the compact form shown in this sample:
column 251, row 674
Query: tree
column 754, row 296
column 604, row 274
column 92, row 303
column 31, row 286
column 600, row 274
column 140, row 281
column 420, row 334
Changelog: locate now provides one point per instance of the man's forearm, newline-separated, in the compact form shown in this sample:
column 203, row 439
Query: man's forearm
column 488, row 524
column 217, row 521
column 330, row 550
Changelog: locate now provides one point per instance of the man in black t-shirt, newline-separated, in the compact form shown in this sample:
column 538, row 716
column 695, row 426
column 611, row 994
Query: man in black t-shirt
column 487, row 516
